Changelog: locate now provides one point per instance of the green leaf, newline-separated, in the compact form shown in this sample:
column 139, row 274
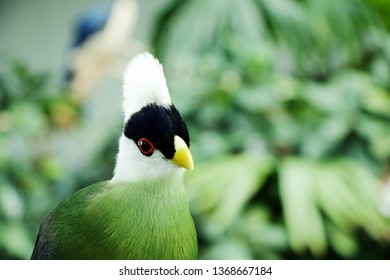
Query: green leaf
column 258, row 228
column 11, row 203
column 298, row 195
column 341, row 241
column 16, row 240
column 377, row 132
column 340, row 190
column 228, row 249
column 367, row 188
column 377, row 100
column 325, row 136
column 218, row 190
column 334, row 197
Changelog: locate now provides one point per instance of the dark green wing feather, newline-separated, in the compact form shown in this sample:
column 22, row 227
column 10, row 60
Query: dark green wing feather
column 46, row 245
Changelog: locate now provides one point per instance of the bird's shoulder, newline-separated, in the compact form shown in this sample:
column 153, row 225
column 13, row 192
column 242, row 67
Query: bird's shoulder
column 58, row 219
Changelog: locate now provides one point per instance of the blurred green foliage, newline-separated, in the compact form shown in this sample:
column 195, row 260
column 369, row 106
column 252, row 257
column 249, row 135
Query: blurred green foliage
column 28, row 112
column 288, row 107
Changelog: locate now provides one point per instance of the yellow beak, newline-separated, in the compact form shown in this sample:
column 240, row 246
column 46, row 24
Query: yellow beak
column 182, row 156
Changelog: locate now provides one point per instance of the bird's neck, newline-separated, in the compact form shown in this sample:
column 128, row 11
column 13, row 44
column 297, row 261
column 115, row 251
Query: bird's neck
column 134, row 177
column 170, row 183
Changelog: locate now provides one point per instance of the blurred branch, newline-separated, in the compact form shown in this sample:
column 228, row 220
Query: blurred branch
column 107, row 51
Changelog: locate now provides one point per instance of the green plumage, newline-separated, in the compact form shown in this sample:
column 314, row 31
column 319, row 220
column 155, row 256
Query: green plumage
column 148, row 220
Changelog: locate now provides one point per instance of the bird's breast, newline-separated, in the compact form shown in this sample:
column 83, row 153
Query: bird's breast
column 135, row 222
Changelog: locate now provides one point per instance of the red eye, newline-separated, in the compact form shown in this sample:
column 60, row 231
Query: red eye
column 145, row 146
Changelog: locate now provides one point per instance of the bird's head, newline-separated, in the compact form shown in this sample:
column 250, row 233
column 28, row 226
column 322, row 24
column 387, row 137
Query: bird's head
column 155, row 140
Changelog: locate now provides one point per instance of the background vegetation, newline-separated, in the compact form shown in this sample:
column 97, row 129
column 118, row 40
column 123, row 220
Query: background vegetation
column 288, row 107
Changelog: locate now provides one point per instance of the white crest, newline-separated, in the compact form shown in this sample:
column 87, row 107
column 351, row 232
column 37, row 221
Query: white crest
column 144, row 83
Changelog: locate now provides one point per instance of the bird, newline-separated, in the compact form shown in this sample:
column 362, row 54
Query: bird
column 142, row 212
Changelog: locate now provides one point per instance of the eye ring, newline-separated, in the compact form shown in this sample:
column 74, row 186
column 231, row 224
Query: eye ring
column 145, row 146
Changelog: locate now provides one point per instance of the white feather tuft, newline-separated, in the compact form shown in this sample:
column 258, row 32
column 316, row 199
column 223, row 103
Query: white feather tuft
column 144, row 83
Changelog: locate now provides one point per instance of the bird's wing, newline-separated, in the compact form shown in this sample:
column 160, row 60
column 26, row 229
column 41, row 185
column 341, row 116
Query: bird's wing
column 42, row 249
column 57, row 224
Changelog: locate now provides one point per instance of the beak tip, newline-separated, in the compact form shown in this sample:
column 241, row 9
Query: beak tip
column 182, row 156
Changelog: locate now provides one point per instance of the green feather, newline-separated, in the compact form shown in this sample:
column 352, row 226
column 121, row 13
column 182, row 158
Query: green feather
column 148, row 220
